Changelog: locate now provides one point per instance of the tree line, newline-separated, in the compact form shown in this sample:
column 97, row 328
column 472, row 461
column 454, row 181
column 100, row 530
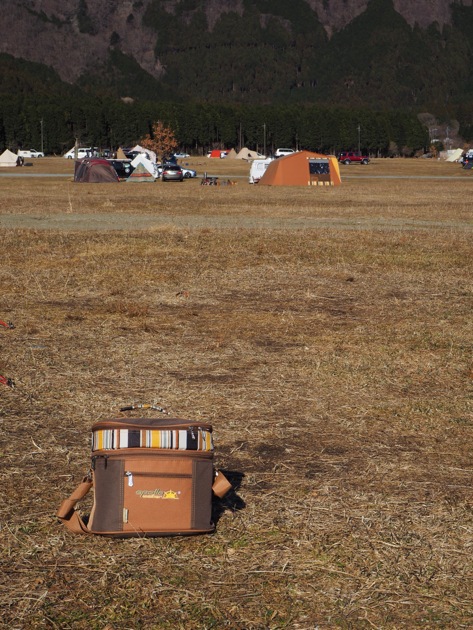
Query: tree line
column 52, row 124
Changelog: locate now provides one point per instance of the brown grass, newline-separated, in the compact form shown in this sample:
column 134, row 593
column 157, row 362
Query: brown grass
column 326, row 335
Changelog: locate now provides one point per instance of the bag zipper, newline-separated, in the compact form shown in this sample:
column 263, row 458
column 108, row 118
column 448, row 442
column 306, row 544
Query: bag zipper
column 124, row 453
column 131, row 475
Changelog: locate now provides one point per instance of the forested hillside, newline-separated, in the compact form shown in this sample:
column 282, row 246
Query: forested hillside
column 222, row 72
column 277, row 51
column 38, row 109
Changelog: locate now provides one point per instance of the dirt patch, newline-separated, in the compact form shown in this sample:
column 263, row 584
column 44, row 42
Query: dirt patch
column 133, row 222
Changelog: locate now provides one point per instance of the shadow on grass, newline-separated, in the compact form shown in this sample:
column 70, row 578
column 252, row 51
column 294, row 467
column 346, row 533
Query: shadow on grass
column 231, row 501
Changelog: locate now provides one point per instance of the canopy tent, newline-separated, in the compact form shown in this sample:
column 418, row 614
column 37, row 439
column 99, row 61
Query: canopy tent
column 8, row 159
column 247, row 154
column 302, row 169
column 454, row 156
column 147, row 152
column 94, row 170
column 215, row 153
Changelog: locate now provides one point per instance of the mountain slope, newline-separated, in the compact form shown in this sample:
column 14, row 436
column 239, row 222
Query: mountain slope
column 385, row 53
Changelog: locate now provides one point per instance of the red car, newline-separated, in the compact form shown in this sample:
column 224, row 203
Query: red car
column 347, row 157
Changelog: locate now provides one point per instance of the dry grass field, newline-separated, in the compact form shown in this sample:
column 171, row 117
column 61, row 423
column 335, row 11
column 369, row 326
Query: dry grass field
column 327, row 336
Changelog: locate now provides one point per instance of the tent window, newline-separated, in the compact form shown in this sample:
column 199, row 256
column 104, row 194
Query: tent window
column 319, row 172
column 319, row 166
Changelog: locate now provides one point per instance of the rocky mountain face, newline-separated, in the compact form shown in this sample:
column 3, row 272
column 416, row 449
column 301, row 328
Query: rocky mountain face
column 336, row 14
column 73, row 36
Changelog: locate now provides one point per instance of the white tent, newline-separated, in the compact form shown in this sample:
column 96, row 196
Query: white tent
column 149, row 166
column 151, row 154
column 247, row 154
column 8, row 159
column 140, row 174
column 454, row 156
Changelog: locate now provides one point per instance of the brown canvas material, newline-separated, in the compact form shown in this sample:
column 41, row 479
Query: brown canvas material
column 147, row 491
column 106, row 513
column 201, row 509
column 141, row 493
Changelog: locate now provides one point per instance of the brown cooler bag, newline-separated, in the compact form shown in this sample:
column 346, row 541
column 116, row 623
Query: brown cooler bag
column 150, row 477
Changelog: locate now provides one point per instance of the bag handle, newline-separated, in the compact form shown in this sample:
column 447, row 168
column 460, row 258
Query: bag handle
column 145, row 406
column 67, row 513
column 221, row 485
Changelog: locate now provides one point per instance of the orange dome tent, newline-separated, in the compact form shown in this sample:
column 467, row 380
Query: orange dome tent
column 302, row 169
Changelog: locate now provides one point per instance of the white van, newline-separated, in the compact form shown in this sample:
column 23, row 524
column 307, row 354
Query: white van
column 258, row 169
column 82, row 152
column 30, row 153
column 283, row 152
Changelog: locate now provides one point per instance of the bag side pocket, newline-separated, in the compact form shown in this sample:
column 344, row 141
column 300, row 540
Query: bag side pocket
column 107, row 512
column 201, row 516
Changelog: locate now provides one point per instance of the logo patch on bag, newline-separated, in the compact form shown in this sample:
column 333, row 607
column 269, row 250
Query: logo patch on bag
column 158, row 494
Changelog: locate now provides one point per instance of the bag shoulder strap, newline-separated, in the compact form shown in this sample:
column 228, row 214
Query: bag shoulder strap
column 67, row 513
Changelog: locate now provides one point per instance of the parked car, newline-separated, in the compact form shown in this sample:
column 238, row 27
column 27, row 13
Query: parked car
column 30, row 153
column 181, row 155
column 172, row 173
column 188, row 172
column 282, row 152
column 347, row 157
column 123, row 168
column 467, row 162
column 467, row 159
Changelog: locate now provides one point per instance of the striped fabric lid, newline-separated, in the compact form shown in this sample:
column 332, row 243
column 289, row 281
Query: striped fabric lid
column 189, row 439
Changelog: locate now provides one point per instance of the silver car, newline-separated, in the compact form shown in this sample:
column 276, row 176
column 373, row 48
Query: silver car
column 188, row 172
column 172, row 173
